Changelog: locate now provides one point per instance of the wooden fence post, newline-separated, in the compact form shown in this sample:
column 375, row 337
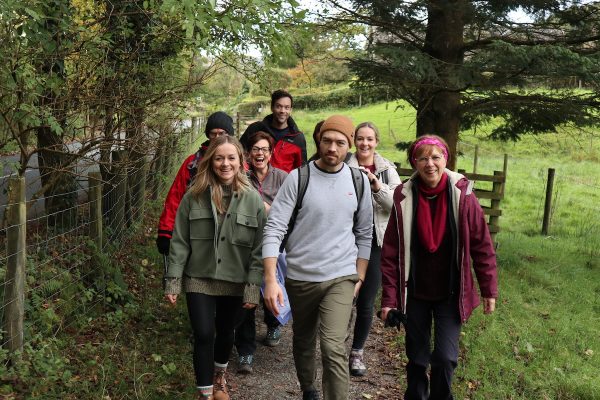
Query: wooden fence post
column 495, row 206
column 475, row 159
column 237, row 123
column 548, row 203
column 95, row 199
column 504, row 171
column 14, row 291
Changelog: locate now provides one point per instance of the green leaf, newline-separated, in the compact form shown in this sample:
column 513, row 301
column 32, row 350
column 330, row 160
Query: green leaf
column 32, row 14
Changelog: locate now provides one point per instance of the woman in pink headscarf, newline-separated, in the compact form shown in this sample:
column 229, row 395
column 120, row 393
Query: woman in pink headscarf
column 435, row 238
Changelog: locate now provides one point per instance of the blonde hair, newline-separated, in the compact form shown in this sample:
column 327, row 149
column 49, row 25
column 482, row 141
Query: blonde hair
column 367, row 124
column 207, row 178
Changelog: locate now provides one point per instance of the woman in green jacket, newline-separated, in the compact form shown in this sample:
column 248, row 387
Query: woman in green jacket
column 215, row 258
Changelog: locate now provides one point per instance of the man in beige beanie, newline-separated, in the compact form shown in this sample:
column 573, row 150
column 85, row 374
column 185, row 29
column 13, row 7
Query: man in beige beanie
column 327, row 257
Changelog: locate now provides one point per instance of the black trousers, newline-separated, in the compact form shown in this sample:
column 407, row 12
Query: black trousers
column 245, row 333
column 443, row 359
column 210, row 315
column 366, row 297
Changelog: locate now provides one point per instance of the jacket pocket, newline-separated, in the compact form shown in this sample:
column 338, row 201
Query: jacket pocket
column 244, row 230
column 202, row 225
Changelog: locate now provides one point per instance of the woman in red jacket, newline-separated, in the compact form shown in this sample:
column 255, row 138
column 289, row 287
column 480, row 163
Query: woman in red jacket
column 435, row 238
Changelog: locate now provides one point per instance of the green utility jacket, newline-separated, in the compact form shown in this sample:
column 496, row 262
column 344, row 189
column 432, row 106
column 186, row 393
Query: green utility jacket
column 235, row 255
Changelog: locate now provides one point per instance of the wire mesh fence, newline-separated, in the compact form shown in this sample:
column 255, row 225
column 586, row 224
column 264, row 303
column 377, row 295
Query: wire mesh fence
column 55, row 266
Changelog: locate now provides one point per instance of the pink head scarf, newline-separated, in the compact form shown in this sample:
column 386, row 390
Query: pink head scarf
column 432, row 141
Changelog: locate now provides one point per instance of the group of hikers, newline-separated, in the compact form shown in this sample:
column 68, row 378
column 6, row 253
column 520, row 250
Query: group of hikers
column 254, row 218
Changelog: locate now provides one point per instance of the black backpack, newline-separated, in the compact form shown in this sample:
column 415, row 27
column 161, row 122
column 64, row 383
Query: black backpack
column 304, row 177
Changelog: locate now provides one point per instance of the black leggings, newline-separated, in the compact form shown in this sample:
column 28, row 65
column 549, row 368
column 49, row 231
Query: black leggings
column 366, row 297
column 210, row 314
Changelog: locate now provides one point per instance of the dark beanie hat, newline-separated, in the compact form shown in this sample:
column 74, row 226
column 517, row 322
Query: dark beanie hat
column 341, row 124
column 251, row 131
column 219, row 120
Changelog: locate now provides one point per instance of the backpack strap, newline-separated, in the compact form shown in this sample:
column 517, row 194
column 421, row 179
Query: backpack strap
column 359, row 187
column 303, row 177
column 384, row 176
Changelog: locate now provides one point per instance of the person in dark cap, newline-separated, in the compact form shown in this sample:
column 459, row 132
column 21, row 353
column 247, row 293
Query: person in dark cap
column 289, row 150
column 217, row 124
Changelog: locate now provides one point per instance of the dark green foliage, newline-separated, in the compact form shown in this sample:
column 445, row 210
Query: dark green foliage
column 528, row 74
column 341, row 98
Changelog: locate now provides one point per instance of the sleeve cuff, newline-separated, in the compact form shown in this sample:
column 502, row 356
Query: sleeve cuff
column 251, row 294
column 364, row 252
column 173, row 286
column 270, row 250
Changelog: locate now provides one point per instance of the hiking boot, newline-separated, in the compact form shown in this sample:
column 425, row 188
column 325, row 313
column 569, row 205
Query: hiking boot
column 220, row 391
column 273, row 337
column 245, row 364
column 310, row 395
column 357, row 367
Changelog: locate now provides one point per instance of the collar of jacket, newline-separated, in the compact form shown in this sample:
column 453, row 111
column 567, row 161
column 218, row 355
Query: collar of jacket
column 455, row 179
column 252, row 174
column 198, row 155
column 291, row 124
column 381, row 164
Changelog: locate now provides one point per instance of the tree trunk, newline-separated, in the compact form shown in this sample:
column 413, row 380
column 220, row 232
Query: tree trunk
column 54, row 160
column 438, row 110
column 58, row 180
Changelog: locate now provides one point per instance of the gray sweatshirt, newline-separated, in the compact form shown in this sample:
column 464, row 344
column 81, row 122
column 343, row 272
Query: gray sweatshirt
column 325, row 242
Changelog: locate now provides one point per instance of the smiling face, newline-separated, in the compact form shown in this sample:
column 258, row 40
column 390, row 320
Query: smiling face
column 366, row 143
column 226, row 163
column 281, row 109
column 430, row 163
column 260, row 155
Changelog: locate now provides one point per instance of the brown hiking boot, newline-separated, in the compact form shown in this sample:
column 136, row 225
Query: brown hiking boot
column 220, row 391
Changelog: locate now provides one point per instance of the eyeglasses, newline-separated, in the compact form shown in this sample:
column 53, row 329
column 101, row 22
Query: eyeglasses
column 257, row 150
column 425, row 160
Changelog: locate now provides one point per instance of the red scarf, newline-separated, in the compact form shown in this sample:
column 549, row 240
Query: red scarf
column 431, row 234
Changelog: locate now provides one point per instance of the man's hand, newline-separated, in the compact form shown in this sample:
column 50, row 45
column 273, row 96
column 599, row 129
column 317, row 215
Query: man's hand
column 273, row 296
column 357, row 287
column 162, row 244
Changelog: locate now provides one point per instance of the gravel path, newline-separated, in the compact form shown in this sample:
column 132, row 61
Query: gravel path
column 274, row 376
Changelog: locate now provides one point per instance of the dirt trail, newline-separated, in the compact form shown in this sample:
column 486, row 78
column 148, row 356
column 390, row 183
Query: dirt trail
column 274, row 375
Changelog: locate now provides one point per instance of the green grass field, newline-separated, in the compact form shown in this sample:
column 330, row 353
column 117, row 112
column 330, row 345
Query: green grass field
column 543, row 342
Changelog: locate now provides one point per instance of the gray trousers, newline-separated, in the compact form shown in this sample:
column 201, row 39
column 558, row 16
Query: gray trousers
column 323, row 308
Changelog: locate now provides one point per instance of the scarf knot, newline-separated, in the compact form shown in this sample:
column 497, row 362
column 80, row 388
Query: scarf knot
column 431, row 230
